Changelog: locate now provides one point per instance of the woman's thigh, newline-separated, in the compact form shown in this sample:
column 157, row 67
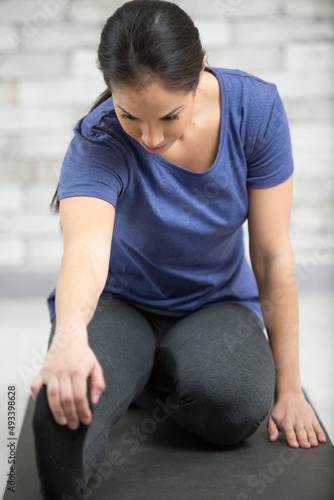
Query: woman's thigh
column 218, row 368
column 124, row 344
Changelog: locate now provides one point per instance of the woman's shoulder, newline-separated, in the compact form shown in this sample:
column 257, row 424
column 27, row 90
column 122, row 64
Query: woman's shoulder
column 247, row 96
column 101, row 126
column 101, row 119
column 247, row 90
column 243, row 77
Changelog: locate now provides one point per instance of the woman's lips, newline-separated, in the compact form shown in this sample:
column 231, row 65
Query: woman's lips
column 155, row 149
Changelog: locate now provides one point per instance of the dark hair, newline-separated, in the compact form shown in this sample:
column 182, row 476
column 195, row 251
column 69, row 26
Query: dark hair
column 146, row 40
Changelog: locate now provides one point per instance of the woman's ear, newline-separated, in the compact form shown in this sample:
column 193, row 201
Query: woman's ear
column 205, row 58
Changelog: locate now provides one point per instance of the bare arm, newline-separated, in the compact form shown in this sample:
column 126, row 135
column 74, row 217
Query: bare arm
column 273, row 264
column 87, row 229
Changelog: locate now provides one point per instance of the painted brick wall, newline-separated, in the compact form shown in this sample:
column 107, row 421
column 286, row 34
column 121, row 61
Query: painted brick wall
column 48, row 80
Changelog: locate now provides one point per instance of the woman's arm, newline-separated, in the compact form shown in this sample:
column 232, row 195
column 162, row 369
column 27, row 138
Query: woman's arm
column 87, row 232
column 273, row 265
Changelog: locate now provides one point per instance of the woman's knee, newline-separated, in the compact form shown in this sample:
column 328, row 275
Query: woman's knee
column 222, row 418
column 234, row 427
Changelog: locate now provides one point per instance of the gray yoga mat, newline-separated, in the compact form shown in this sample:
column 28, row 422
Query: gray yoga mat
column 168, row 463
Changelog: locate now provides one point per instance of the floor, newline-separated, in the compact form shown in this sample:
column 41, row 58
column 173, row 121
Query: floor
column 24, row 326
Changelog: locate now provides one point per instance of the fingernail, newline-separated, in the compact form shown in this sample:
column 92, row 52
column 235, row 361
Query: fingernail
column 95, row 398
column 294, row 443
column 322, row 437
column 62, row 420
column 86, row 420
column 314, row 441
column 307, row 445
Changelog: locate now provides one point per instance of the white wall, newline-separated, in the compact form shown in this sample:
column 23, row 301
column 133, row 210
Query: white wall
column 48, row 80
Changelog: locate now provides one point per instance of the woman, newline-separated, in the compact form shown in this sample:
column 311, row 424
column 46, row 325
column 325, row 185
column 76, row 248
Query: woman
column 167, row 166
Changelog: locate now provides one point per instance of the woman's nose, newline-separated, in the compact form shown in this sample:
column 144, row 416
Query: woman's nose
column 152, row 138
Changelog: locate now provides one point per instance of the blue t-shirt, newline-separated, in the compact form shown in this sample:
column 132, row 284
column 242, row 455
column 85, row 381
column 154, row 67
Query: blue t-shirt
column 178, row 240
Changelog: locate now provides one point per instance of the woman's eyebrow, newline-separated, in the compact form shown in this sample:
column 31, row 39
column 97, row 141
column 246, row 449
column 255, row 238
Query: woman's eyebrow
column 120, row 107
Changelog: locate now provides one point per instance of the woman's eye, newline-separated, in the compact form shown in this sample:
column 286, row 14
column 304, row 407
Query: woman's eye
column 169, row 118
column 175, row 117
column 127, row 117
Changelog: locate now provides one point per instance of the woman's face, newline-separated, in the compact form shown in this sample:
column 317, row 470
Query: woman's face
column 153, row 116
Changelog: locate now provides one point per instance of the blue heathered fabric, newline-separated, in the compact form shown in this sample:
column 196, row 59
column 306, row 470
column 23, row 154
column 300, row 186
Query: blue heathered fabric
column 178, row 238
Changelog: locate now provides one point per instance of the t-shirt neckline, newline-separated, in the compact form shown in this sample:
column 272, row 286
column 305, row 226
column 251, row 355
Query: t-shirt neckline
column 213, row 167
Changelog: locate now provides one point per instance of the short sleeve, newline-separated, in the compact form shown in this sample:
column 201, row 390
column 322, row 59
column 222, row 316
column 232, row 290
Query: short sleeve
column 271, row 160
column 94, row 165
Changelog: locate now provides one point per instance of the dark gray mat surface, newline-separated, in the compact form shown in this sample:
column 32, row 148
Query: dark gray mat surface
column 167, row 463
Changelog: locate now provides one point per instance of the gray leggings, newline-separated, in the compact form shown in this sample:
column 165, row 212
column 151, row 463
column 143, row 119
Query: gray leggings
column 210, row 370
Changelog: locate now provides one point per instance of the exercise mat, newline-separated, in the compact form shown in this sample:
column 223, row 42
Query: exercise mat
column 150, row 459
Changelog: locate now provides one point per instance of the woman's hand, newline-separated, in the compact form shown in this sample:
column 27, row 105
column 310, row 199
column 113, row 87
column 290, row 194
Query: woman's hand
column 65, row 371
column 293, row 415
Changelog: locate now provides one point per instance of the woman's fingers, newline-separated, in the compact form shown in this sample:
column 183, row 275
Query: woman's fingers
column 299, row 435
column 79, row 386
column 315, row 433
column 98, row 384
column 302, row 436
column 36, row 385
column 53, row 395
column 272, row 430
column 66, row 380
column 319, row 431
column 67, row 400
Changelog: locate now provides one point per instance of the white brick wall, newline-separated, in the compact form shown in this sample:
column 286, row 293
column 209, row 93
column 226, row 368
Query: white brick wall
column 38, row 196
column 21, row 120
column 311, row 110
column 62, row 38
column 16, row 10
column 45, row 146
column 301, row 86
column 313, row 166
column 230, row 8
column 49, row 79
column 319, row 138
column 10, row 198
column 309, row 57
column 319, row 194
column 7, row 94
column 16, row 171
column 12, row 251
column 87, row 11
column 250, row 59
column 282, row 30
column 30, row 223
column 214, row 33
column 19, row 66
column 83, row 64
column 308, row 8
column 72, row 91
column 42, row 253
